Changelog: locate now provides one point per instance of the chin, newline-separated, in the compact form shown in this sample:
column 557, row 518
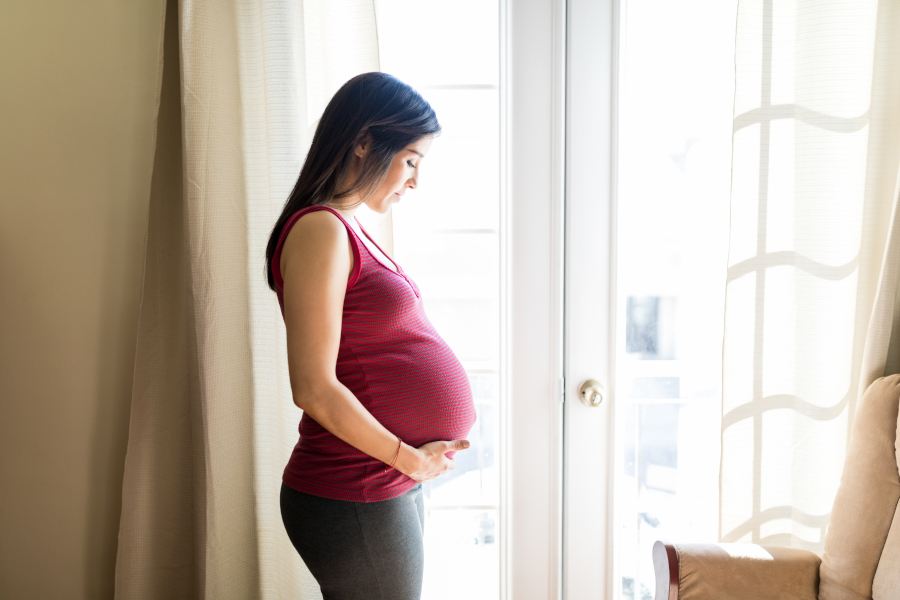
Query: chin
column 380, row 207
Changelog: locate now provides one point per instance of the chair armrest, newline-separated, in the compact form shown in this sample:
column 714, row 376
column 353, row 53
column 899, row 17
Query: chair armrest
column 734, row 572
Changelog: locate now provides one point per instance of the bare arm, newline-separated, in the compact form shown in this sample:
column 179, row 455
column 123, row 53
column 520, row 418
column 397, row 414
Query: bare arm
column 316, row 262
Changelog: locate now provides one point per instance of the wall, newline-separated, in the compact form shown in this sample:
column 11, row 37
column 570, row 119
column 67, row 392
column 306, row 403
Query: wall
column 77, row 110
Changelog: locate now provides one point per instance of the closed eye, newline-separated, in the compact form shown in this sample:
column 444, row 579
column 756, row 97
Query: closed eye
column 409, row 162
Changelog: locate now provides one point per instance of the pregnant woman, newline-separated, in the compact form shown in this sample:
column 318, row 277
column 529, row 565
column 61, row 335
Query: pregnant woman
column 385, row 401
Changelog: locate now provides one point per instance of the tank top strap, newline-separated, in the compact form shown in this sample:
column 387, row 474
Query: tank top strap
column 289, row 224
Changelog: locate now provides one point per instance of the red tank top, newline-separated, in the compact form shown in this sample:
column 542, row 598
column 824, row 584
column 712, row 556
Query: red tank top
column 399, row 368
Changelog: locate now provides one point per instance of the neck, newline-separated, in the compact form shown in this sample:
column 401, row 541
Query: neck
column 346, row 206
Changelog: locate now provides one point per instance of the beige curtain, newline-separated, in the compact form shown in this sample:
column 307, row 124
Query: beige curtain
column 212, row 422
column 814, row 261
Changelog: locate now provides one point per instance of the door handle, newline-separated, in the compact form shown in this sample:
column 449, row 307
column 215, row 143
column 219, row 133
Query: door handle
column 591, row 392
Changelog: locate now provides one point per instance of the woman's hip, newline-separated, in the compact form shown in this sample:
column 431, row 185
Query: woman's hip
column 361, row 550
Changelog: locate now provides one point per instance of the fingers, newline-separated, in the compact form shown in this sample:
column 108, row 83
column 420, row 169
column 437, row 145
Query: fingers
column 445, row 464
column 455, row 445
column 437, row 463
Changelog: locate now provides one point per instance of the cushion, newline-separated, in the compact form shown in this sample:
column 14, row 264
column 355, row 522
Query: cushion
column 867, row 498
column 887, row 577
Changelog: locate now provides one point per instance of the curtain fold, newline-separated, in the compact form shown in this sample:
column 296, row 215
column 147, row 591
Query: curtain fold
column 213, row 421
column 813, row 264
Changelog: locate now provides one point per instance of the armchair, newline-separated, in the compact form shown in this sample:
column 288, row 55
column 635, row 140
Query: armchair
column 861, row 560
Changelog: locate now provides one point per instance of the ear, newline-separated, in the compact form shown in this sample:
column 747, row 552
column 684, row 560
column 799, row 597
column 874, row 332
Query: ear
column 363, row 145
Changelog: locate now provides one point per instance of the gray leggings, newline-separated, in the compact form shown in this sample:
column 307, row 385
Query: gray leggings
column 359, row 550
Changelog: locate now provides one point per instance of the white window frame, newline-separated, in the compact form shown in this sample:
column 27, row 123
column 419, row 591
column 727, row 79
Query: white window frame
column 533, row 159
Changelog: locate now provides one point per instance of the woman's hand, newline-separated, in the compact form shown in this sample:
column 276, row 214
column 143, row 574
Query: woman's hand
column 428, row 461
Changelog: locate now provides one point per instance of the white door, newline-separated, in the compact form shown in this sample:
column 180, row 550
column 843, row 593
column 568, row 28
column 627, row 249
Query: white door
column 648, row 140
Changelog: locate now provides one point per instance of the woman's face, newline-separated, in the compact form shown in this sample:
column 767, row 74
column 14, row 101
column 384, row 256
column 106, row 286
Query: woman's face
column 403, row 174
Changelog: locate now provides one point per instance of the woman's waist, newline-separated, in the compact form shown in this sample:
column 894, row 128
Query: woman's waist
column 351, row 478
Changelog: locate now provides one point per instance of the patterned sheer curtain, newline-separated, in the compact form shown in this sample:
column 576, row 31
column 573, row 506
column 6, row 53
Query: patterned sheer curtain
column 242, row 83
column 814, row 258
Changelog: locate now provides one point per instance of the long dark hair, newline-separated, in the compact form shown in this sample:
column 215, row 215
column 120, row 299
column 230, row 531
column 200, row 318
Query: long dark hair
column 376, row 104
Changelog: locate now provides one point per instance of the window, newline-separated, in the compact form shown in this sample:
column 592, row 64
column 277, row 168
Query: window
column 674, row 142
column 446, row 236
column 676, row 97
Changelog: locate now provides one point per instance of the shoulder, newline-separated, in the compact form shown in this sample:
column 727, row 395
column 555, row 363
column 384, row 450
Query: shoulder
column 316, row 228
column 316, row 235
column 318, row 219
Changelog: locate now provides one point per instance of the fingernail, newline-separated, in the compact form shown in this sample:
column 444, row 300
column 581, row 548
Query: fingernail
column 465, row 443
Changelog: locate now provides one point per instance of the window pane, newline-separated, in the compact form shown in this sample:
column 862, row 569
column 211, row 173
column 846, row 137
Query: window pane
column 446, row 237
column 439, row 42
column 462, row 553
column 676, row 96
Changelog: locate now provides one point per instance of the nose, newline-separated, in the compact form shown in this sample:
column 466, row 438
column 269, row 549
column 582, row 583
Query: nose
column 412, row 182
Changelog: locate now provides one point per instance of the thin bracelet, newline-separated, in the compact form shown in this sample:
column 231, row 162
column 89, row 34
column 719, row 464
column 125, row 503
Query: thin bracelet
column 397, row 455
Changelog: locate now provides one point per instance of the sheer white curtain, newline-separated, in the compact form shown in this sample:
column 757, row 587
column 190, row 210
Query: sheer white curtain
column 212, row 425
column 814, row 257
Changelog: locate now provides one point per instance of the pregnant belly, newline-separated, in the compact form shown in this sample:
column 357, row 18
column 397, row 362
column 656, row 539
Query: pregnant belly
column 421, row 401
